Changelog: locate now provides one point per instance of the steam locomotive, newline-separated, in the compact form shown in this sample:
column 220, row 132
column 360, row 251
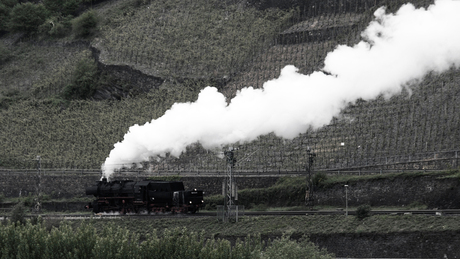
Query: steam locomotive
column 144, row 196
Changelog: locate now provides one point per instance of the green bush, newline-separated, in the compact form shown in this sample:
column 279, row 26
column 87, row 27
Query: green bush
column 363, row 211
column 211, row 202
column 85, row 25
column 319, row 179
column 5, row 10
column 4, row 17
column 5, row 54
column 27, row 17
column 286, row 248
column 17, row 213
column 84, row 80
column 57, row 26
column 61, row 7
column 36, row 241
column 9, row 3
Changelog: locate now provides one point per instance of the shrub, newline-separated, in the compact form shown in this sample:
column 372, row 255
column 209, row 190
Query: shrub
column 4, row 17
column 286, row 248
column 9, row 3
column 17, row 213
column 85, row 25
column 27, row 17
column 36, row 241
column 318, row 179
column 5, row 53
column 363, row 211
column 57, row 26
column 84, row 81
column 65, row 7
column 212, row 201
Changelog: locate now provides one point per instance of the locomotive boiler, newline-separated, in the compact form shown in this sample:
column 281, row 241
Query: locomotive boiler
column 128, row 196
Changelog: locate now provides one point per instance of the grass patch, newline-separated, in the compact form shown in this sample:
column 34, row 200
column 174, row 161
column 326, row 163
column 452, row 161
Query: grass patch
column 342, row 179
column 290, row 191
column 279, row 225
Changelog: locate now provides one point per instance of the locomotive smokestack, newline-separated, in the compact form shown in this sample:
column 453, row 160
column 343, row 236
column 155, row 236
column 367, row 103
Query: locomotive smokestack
column 396, row 49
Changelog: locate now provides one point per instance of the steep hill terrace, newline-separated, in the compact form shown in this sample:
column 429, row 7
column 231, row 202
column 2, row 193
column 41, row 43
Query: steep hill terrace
column 412, row 130
column 304, row 45
column 418, row 129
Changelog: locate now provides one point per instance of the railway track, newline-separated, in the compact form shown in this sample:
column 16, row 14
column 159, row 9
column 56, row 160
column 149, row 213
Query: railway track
column 447, row 212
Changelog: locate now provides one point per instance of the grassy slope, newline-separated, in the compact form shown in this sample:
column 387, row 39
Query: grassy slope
column 82, row 133
column 288, row 193
column 297, row 225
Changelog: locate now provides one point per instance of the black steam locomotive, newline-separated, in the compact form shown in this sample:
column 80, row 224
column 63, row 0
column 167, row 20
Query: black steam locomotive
column 144, row 196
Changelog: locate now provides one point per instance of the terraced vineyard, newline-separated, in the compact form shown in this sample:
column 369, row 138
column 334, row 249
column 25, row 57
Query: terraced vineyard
column 189, row 45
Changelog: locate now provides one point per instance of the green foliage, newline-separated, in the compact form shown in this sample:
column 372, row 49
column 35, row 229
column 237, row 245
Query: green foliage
column 363, row 211
column 5, row 10
column 27, row 17
column 4, row 17
column 85, row 25
column 9, row 96
column 18, row 212
column 286, row 248
column 211, row 201
column 288, row 191
column 319, row 179
column 258, row 207
column 28, row 200
column 417, row 205
column 35, row 241
column 9, row 3
column 62, row 7
column 57, row 26
column 84, row 80
column 5, row 53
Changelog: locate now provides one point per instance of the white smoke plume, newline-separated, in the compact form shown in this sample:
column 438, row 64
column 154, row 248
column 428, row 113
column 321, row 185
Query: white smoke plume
column 396, row 49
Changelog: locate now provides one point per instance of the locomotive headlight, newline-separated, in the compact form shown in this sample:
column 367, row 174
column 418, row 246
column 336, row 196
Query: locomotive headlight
column 202, row 201
column 190, row 202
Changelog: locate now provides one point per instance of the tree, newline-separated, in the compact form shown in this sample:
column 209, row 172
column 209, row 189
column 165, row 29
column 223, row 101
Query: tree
column 60, row 7
column 18, row 213
column 27, row 17
column 85, row 24
column 363, row 211
column 84, row 81
column 4, row 17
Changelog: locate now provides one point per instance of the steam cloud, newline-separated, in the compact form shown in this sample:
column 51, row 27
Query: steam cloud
column 396, row 49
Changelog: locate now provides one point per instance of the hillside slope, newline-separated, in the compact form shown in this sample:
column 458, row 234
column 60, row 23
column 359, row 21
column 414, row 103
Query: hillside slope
column 151, row 54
